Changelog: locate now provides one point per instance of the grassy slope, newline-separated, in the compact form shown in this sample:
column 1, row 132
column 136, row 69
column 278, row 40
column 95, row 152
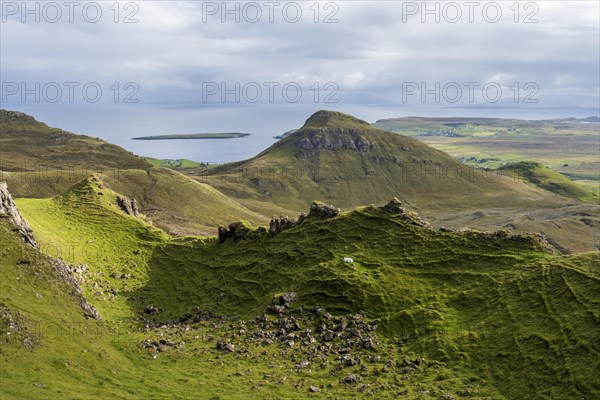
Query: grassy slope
column 537, row 174
column 497, row 312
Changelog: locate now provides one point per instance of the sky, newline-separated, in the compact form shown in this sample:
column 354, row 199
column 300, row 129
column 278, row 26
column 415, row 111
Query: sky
column 124, row 69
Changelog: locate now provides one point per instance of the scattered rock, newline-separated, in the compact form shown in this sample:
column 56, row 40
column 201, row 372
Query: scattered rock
column 314, row 389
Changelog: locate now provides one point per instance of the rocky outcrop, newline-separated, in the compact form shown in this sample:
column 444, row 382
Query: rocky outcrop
column 393, row 207
column 9, row 209
column 240, row 230
column 320, row 210
column 15, row 116
column 281, row 223
column 129, row 206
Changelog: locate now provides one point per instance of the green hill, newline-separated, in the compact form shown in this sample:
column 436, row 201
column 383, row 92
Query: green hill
column 344, row 160
column 460, row 314
column 541, row 176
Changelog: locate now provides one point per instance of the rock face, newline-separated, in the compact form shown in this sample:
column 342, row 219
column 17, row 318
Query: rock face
column 334, row 139
column 281, row 223
column 129, row 206
column 9, row 208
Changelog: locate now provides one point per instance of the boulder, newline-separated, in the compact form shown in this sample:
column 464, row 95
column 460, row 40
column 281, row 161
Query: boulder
column 288, row 298
column 223, row 234
column 281, row 223
column 320, row 210
column 393, row 207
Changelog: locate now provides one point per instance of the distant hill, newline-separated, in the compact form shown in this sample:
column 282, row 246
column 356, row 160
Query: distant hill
column 539, row 175
column 29, row 145
column 345, row 160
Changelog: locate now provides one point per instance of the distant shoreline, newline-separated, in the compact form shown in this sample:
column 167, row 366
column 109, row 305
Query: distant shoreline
column 233, row 135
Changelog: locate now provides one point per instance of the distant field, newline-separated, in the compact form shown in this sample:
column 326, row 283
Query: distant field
column 233, row 135
column 568, row 146
column 175, row 164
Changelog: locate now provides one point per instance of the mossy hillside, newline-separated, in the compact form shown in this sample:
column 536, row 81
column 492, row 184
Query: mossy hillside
column 309, row 261
column 85, row 225
column 492, row 306
column 49, row 350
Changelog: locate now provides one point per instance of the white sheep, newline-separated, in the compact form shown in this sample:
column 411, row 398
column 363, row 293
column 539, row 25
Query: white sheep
column 348, row 260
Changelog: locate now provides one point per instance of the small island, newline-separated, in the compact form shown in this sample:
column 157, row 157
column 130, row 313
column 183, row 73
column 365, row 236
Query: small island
column 232, row 135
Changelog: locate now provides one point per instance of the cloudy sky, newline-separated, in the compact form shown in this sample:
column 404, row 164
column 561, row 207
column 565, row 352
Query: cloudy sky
column 149, row 67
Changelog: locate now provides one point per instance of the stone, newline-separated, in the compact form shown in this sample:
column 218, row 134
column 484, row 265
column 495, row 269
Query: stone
column 369, row 343
column 350, row 379
column 225, row 346
column 313, row 389
column 288, row 298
